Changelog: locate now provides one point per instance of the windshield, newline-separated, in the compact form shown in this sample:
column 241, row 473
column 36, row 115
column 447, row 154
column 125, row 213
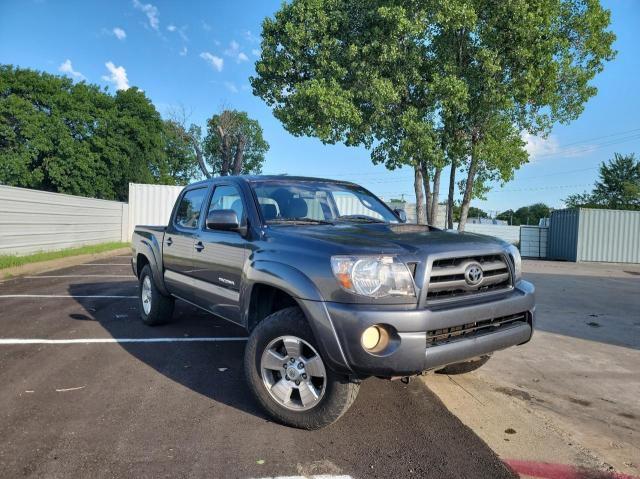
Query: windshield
column 319, row 202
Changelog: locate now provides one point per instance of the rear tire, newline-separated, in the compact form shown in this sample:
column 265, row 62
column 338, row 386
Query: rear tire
column 465, row 367
column 285, row 339
column 155, row 308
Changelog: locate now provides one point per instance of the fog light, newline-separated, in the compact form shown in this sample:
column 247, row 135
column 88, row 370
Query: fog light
column 371, row 337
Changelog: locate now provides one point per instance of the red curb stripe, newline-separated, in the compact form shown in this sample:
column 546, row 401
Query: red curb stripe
column 545, row 470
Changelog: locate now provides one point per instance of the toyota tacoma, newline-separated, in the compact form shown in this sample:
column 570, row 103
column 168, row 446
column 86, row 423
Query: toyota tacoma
column 332, row 287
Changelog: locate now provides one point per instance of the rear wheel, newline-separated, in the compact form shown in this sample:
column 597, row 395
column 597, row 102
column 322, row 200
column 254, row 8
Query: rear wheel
column 465, row 367
column 288, row 377
column 155, row 308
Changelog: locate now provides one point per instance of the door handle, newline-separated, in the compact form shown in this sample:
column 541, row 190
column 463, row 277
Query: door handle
column 169, row 241
column 199, row 246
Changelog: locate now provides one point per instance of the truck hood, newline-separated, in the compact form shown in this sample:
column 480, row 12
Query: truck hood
column 372, row 238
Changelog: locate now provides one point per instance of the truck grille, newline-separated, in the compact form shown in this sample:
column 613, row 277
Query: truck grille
column 464, row 331
column 467, row 276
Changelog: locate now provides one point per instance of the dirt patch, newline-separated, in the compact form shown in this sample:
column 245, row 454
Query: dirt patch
column 627, row 415
column 516, row 393
column 581, row 402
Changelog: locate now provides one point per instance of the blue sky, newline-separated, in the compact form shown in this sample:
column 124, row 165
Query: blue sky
column 200, row 55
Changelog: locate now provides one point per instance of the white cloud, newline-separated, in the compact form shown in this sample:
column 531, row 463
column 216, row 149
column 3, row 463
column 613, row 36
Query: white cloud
column 231, row 87
column 256, row 52
column 180, row 30
column 183, row 52
column 537, row 146
column 216, row 62
column 151, row 11
column 234, row 52
column 251, row 37
column 206, row 27
column 119, row 33
column 118, row 76
column 67, row 68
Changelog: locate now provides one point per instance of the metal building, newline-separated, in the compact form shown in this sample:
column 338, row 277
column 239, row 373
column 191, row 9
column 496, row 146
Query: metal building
column 611, row 236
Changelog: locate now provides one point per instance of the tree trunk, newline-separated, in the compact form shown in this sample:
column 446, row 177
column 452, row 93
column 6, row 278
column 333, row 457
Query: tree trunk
column 224, row 152
column 468, row 188
column 417, row 185
column 433, row 215
column 452, row 190
column 200, row 157
column 427, row 191
column 239, row 156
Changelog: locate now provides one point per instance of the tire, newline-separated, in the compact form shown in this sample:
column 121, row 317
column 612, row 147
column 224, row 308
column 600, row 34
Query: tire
column 464, row 367
column 332, row 395
column 159, row 310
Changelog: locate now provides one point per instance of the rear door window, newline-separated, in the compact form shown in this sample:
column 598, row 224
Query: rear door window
column 188, row 213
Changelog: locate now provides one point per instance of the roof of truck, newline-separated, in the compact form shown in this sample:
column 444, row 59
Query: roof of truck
column 254, row 178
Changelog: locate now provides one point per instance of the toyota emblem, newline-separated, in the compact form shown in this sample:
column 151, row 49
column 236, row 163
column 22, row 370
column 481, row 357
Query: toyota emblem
column 473, row 274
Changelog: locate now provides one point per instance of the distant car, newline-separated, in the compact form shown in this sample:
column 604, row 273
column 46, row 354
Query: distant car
column 332, row 287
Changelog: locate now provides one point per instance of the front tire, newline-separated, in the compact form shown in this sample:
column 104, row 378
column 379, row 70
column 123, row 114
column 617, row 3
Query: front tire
column 155, row 308
column 288, row 377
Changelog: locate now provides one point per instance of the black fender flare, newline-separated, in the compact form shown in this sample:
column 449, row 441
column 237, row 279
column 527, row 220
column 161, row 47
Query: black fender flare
column 147, row 247
column 298, row 285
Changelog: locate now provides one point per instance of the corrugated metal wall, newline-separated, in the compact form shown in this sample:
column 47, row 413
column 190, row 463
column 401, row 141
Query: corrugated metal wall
column 32, row 220
column 611, row 236
column 533, row 241
column 563, row 235
column 510, row 234
column 151, row 204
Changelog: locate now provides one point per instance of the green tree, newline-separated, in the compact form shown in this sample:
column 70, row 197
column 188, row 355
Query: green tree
column 75, row 138
column 234, row 144
column 459, row 78
column 526, row 215
column 618, row 187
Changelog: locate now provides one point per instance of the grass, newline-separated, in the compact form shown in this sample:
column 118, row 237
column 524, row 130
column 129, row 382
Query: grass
column 10, row 261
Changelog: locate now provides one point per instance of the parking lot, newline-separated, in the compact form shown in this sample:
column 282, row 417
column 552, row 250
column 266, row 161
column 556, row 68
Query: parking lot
column 88, row 390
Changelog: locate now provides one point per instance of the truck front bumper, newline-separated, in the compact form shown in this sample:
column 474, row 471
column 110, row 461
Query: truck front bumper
column 339, row 329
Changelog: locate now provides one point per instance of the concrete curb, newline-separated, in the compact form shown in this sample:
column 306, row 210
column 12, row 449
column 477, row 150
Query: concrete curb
column 44, row 266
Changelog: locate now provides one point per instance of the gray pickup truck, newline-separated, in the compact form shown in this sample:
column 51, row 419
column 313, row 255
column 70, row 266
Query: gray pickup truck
column 332, row 287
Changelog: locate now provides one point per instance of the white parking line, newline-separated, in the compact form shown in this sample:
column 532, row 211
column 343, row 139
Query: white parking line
column 14, row 341
column 80, row 276
column 73, row 296
column 105, row 264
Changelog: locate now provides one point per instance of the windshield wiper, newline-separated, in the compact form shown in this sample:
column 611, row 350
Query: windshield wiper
column 362, row 218
column 300, row 221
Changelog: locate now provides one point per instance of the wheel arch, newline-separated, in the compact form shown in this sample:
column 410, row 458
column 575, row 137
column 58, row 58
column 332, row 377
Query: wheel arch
column 286, row 286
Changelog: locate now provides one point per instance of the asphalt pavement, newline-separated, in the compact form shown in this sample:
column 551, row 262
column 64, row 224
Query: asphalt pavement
column 88, row 390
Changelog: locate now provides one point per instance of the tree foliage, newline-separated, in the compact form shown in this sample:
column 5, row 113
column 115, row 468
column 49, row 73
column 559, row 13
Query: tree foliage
column 234, row 144
column 435, row 82
column 526, row 215
column 75, row 138
column 618, row 187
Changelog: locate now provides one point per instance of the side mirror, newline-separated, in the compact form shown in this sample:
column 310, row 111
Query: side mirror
column 226, row 220
column 402, row 214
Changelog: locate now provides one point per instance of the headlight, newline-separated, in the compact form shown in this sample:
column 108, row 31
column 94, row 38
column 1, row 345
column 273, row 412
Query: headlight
column 373, row 276
column 516, row 260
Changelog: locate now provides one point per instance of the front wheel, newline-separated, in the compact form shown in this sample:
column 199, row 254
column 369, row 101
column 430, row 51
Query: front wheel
column 288, row 377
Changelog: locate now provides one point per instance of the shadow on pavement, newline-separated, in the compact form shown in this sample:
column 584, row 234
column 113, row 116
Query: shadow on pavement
column 392, row 430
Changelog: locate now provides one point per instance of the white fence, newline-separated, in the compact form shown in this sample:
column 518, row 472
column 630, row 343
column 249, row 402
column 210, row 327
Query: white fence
column 510, row 234
column 533, row 241
column 150, row 205
column 33, row 221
